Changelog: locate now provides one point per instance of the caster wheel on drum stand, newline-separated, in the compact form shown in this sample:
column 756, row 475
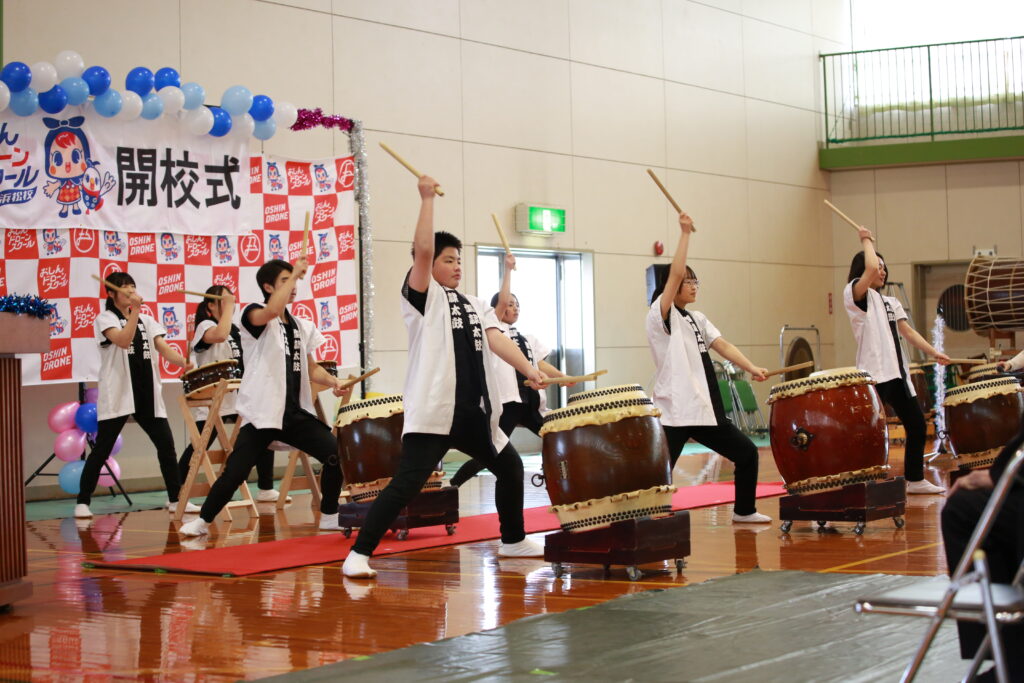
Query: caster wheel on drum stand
column 679, row 565
column 347, row 532
column 450, row 528
column 556, row 567
column 859, row 529
column 821, row 526
column 402, row 534
column 633, row 573
column 786, row 526
column 899, row 522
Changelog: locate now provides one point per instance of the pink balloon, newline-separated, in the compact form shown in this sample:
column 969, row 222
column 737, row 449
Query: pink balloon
column 92, row 394
column 117, row 445
column 69, row 445
column 105, row 479
column 62, row 417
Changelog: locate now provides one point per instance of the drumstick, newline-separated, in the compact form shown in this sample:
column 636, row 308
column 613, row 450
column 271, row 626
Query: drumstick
column 664, row 190
column 305, row 236
column 107, row 284
column 412, row 169
column 501, row 234
column 351, row 382
column 204, row 294
column 570, row 380
column 790, row 368
column 967, row 361
column 844, row 216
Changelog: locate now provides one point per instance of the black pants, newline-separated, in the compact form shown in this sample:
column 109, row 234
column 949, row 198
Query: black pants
column 159, row 432
column 728, row 441
column 512, row 415
column 264, row 465
column 1005, row 550
column 908, row 410
column 470, row 434
column 300, row 430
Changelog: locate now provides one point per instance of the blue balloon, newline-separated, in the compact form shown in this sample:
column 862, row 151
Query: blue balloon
column 85, row 417
column 139, row 80
column 152, row 106
column 264, row 130
column 236, row 100
column 77, row 90
column 108, row 104
column 195, row 96
column 70, row 476
column 17, row 76
column 24, row 103
column 98, row 79
column 165, row 77
column 262, row 108
column 53, row 100
column 221, row 122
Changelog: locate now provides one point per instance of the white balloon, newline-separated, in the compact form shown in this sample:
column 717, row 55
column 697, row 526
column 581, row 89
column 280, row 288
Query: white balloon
column 69, row 64
column 199, row 121
column 44, row 76
column 5, row 96
column 131, row 106
column 285, row 114
column 242, row 126
column 173, row 99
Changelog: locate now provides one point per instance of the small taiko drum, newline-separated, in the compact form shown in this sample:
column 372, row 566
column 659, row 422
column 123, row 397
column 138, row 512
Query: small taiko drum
column 606, row 461
column 201, row 382
column 615, row 393
column 330, row 366
column 828, row 431
column 981, row 418
column 370, row 445
column 983, row 373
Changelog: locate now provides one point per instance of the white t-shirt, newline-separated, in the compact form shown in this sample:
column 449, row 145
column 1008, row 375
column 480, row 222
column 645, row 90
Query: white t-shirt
column 115, row 386
column 224, row 350
column 876, row 348
column 681, row 389
column 508, row 386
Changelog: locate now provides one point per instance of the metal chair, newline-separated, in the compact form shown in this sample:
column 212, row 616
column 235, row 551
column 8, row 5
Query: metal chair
column 967, row 595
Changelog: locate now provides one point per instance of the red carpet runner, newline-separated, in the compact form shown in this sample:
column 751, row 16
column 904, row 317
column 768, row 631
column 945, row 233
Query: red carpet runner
column 324, row 548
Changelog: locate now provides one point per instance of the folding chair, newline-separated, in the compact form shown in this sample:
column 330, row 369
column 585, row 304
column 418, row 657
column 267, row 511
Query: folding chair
column 966, row 596
column 753, row 418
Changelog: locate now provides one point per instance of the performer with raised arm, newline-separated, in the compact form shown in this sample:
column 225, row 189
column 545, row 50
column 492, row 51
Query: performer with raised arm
column 877, row 322
column 129, row 386
column 451, row 396
column 275, row 401
column 685, row 388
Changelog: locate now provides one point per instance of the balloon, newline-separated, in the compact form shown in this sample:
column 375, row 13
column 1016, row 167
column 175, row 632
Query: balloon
column 62, row 417
column 98, row 79
column 242, row 126
column 264, row 130
column 105, row 479
column 139, row 81
column 131, row 106
column 165, row 77
column 108, row 104
column 92, row 395
column 221, row 122
column 199, row 121
column 77, row 90
column 69, row 64
column 262, row 108
column 16, row 75
column 194, row 95
column 25, row 102
column 69, row 445
column 118, row 445
column 70, row 476
column 44, row 76
column 85, row 417
column 285, row 114
column 5, row 96
column 53, row 100
column 236, row 100
column 152, row 106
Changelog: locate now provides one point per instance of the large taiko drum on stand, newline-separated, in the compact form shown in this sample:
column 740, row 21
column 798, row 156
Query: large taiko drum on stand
column 606, row 460
column 983, row 373
column 370, row 446
column 994, row 294
column 828, row 431
column 981, row 418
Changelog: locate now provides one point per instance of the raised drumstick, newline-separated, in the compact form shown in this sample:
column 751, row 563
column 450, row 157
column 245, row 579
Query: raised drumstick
column 571, row 380
column 501, row 234
column 202, row 294
column 664, row 191
column 107, row 284
column 844, row 216
column 412, row 169
column 790, row 368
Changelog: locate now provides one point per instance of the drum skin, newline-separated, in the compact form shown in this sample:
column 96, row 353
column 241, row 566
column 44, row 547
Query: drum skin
column 594, row 461
column 985, row 423
column 370, row 449
column 845, row 428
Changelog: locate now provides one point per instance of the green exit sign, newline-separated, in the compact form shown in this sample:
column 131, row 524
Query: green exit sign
column 539, row 220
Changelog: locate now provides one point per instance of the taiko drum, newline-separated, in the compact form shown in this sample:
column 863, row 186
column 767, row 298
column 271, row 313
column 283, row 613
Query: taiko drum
column 981, row 418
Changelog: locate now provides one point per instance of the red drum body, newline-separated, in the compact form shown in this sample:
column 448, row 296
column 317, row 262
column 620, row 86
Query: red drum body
column 925, row 398
column 828, row 430
column 200, row 382
column 981, row 418
column 605, row 461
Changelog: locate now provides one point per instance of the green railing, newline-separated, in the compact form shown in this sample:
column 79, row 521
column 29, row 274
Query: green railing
column 924, row 90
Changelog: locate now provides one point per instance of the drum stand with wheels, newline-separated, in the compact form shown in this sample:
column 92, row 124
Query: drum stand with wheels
column 211, row 398
column 428, row 508
column 629, row 542
column 860, row 503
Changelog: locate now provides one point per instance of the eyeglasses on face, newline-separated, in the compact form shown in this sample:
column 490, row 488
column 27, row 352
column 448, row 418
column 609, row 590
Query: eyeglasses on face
column 692, row 281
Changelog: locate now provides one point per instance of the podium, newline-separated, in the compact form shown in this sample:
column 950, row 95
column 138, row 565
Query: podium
column 22, row 334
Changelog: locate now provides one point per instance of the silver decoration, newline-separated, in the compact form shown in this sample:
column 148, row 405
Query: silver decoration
column 939, row 341
column 357, row 146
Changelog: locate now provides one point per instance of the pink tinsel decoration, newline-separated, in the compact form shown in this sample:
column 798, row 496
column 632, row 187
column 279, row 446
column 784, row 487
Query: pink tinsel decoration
column 314, row 118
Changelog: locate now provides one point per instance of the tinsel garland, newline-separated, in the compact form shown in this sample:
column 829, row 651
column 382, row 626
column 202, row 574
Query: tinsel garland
column 27, row 305
column 315, row 118
column 357, row 145
column 938, row 341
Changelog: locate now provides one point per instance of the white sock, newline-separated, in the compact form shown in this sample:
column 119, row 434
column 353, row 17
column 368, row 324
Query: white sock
column 357, row 566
